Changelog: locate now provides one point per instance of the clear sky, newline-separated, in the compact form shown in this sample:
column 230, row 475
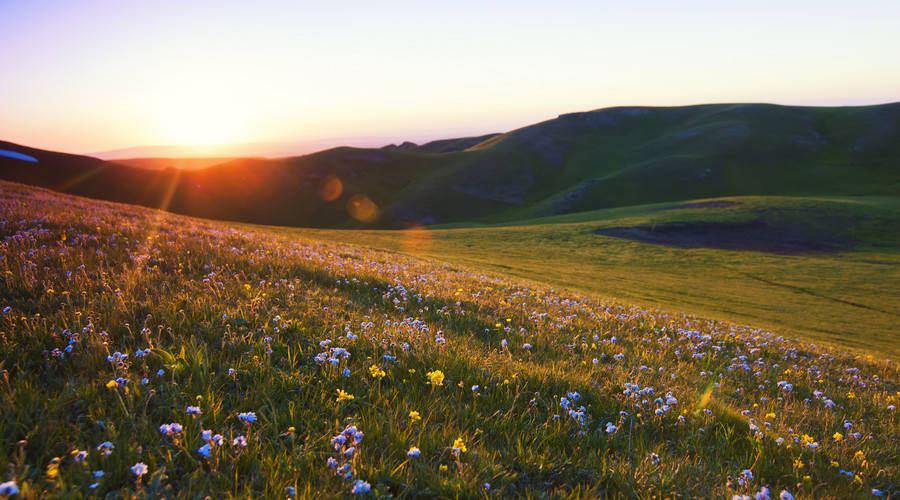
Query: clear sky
column 91, row 75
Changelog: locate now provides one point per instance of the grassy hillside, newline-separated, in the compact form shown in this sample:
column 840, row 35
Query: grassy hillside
column 824, row 268
column 147, row 354
column 577, row 162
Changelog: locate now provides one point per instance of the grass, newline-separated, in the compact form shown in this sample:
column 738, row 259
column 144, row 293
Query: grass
column 604, row 400
column 848, row 299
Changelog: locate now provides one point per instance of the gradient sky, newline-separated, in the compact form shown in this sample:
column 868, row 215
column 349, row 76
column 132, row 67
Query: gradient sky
column 90, row 75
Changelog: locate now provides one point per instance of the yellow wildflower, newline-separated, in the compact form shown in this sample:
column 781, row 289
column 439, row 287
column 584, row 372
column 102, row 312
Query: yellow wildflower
column 376, row 372
column 111, row 384
column 859, row 455
column 838, row 436
column 344, row 396
column 414, row 416
column 436, row 377
column 459, row 446
column 53, row 468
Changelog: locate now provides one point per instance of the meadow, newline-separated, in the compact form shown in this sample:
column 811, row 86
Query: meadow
column 146, row 354
column 841, row 289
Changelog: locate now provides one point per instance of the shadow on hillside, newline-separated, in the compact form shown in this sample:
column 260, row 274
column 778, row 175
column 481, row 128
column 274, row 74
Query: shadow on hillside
column 755, row 236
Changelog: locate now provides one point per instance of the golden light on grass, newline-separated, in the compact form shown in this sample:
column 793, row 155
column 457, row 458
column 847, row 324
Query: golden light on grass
column 704, row 398
column 416, row 240
column 330, row 188
column 361, row 208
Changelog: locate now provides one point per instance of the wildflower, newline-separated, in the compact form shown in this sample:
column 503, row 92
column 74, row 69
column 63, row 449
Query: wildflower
column 239, row 441
column 376, row 372
column 290, row 491
column 413, row 452
column 459, row 446
column 875, row 492
column 435, row 378
column 6, row 310
column 343, row 396
column 360, row 486
column 79, row 456
column 112, row 384
column 414, row 416
column 859, row 455
column 654, row 458
column 194, row 410
column 139, row 469
column 9, row 487
column 206, row 435
column 105, row 448
column 98, row 474
column 486, row 486
column 610, row 428
column 346, row 372
column 170, row 429
column 247, row 417
column 205, row 450
column 527, row 347
column 160, row 372
column 838, row 436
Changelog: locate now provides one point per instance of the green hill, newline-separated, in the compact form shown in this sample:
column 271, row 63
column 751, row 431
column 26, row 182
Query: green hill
column 577, row 162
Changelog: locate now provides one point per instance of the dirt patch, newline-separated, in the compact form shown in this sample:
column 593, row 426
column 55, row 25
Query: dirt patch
column 754, row 236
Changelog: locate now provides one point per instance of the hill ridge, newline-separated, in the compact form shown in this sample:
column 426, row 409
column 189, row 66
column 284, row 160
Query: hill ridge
column 580, row 161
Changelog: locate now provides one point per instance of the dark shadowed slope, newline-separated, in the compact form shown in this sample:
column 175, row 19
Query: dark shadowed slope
column 581, row 161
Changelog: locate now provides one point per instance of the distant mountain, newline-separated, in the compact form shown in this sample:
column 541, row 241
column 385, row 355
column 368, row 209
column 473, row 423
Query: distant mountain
column 441, row 146
column 580, row 161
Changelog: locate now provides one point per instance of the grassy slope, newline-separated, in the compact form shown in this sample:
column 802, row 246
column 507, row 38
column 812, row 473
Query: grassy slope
column 84, row 280
column 850, row 299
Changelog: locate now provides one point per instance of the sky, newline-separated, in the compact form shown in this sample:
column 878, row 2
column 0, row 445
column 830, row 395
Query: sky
column 91, row 75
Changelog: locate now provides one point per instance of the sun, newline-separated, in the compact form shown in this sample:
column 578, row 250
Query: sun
column 197, row 122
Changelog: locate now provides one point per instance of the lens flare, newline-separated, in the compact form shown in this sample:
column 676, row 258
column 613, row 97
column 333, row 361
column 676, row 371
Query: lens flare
column 416, row 240
column 362, row 208
column 330, row 188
